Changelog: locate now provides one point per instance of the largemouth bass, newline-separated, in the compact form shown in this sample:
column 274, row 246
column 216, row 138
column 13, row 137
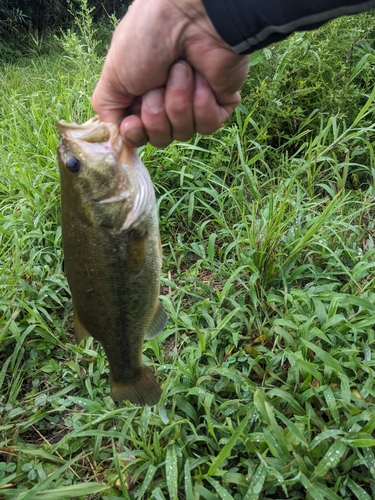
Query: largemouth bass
column 112, row 251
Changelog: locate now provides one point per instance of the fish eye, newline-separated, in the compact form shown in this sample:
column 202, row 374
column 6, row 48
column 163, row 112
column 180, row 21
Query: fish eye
column 73, row 164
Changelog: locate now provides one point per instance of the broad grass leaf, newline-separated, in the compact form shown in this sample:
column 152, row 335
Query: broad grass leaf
column 365, row 108
column 119, row 472
column 44, row 485
column 370, row 425
column 322, row 436
column 251, row 180
column 256, row 485
column 333, row 322
column 222, row 492
column 330, row 459
column 260, row 404
column 144, row 423
column 70, row 491
column 191, row 206
column 204, row 492
column 305, row 365
column 187, row 408
column 91, row 433
column 188, row 484
column 276, row 445
column 289, row 340
column 3, row 482
column 370, row 460
column 171, row 471
column 32, row 451
column 332, row 405
column 361, row 442
column 359, row 66
column 276, row 430
column 323, row 491
column 211, row 246
column 235, row 478
column 320, row 310
column 151, row 469
column 357, row 301
column 158, row 494
column 226, row 450
column 327, row 359
column 314, row 228
column 87, row 404
column 293, row 428
column 288, row 398
column 345, row 388
column 359, row 492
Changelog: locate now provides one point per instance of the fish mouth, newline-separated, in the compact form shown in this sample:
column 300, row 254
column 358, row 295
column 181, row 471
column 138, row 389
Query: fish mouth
column 92, row 131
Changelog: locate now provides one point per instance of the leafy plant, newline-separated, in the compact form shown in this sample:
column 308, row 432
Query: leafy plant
column 267, row 361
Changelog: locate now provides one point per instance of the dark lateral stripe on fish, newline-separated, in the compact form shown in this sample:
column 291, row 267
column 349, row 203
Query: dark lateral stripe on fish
column 136, row 254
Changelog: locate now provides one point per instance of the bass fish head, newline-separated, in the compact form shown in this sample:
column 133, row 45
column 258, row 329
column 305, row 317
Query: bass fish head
column 98, row 180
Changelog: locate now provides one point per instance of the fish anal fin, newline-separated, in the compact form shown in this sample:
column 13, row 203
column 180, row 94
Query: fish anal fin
column 158, row 322
column 79, row 330
column 142, row 389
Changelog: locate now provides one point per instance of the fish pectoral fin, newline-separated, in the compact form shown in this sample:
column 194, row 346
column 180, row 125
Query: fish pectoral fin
column 143, row 389
column 79, row 330
column 158, row 322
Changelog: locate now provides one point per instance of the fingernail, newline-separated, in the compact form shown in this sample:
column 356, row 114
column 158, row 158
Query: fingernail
column 135, row 135
column 179, row 76
column 154, row 100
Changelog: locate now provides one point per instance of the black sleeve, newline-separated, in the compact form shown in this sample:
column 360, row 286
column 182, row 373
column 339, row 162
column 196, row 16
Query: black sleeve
column 249, row 25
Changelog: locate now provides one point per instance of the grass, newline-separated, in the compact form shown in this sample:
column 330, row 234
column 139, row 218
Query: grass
column 267, row 362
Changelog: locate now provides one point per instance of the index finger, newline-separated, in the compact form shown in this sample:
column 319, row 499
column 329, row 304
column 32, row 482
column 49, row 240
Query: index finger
column 108, row 101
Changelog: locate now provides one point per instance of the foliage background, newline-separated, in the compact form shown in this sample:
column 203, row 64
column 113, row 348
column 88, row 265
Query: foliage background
column 24, row 24
column 267, row 362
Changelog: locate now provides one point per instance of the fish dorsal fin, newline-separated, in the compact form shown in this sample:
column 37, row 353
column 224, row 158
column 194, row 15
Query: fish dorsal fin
column 79, row 330
column 158, row 322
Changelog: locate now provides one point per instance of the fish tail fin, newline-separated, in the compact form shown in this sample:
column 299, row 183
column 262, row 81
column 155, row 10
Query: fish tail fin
column 143, row 389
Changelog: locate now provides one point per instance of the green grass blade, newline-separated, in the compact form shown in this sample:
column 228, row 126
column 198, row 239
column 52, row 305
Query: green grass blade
column 257, row 482
column 151, row 469
column 226, row 450
column 330, row 459
column 119, row 472
column 188, row 484
column 171, row 471
column 222, row 492
column 359, row 492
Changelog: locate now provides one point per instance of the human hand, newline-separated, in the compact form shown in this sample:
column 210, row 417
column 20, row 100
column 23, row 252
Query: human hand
column 169, row 72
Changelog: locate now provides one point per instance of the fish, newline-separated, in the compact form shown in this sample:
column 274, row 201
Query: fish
column 112, row 251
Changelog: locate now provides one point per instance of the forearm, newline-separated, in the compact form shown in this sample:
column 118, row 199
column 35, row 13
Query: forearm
column 249, row 25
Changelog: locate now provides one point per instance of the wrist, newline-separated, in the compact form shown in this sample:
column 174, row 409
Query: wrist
column 193, row 23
